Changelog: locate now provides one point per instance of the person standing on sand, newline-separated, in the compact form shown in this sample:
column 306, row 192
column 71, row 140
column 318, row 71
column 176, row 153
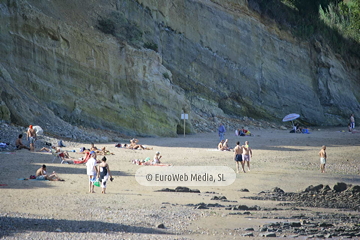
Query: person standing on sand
column 103, row 174
column 352, row 121
column 221, row 131
column 247, row 154
column 91, row 171
column 323, row 157
column 238, row 151
column 31, row 137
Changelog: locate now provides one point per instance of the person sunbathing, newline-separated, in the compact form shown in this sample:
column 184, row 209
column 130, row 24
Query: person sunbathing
column 19, row 145
column 226, row 146
column 105, row 152
column 244, row 132
column 134, row 145
column 53, row 149
column 220, row 145
column 42, row 175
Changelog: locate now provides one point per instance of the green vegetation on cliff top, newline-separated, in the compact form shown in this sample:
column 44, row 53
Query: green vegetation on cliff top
column 336, row 21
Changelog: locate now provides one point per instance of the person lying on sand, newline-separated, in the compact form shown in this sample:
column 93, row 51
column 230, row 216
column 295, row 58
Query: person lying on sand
column 42, row 175
column 105, row 152
column 148, row 162
column 53, row 149
column 134, row 145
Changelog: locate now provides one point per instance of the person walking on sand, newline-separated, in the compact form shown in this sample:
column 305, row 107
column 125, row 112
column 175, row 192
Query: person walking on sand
column 323, row 156
column 91, row 171
column 221, row 131
column 238, row 151
column 352, row 121
column 247, row 154
column 31, row 137
column 103, row 174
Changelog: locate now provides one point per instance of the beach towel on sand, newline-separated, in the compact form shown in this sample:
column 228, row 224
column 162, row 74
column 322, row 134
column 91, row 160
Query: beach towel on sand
column 86, row 158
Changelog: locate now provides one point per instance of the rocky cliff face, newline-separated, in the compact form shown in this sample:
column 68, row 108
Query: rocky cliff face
column 222, row 53
column 55, row 70
column 214, row 58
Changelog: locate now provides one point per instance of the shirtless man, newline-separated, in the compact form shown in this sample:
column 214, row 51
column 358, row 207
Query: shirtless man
column 31, row 137
column 226, row 145
column 41, row 175
column 220, row 145
column 247, row 154
column 323, row 156
column 238, row 151
column 19, row 145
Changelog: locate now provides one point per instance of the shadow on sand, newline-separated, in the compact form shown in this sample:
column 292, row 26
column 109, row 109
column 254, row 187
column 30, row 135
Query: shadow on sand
column 10, row 225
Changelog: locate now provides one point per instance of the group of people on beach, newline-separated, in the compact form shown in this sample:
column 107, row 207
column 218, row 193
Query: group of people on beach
column 243, row 154
column 31, row 137
column 98, row 171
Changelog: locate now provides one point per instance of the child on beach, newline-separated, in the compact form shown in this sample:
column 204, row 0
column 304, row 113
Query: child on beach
column 322, row 155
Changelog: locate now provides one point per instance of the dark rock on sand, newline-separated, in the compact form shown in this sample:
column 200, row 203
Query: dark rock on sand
column 267, row 235
column 343, row 196
column 340, row 187
column 182, row 189
column 311, row 188
column 277, row 190
column 249, row 229
column 161, row 225
column 354, row 189
column 165, row 190
column 244, row 190
column 242, row 207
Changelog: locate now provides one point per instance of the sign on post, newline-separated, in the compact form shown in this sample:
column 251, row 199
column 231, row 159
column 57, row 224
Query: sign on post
column 184, row 116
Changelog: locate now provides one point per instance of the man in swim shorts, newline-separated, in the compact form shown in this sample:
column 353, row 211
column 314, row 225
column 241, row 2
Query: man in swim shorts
column 31, row 137
column 42, row 175
column 247, row 154
column 323, row 156
column 238, row 150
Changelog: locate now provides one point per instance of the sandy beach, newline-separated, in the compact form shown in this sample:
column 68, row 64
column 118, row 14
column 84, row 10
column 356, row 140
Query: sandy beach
column 65, row 210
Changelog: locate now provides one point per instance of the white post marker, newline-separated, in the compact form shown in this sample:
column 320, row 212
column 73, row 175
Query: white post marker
column 184, row 116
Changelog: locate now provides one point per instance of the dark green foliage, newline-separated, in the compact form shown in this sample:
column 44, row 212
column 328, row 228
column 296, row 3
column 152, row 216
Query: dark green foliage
column 166, row 75
column 107, row 26
column 337, row 21
column 310, row 7
column 117, row 25
column 151, row 45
